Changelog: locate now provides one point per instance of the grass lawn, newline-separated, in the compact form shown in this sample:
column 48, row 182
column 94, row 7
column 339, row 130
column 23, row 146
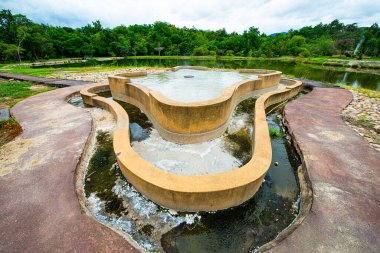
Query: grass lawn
column 51, row 72
column 12, row 92
column 369, row 93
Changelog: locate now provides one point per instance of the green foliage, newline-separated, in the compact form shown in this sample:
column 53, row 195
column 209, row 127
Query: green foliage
column 39, row 41
column 12, row 92
column 369, row 93
column 8, row 52
column 10, row 121
column 323, row 47
column 274, row 132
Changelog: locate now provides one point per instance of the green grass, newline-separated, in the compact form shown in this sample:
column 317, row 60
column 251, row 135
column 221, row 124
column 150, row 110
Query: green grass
column 50, row 71
column 369, row 93
column 12, row 92
column 10, row 121
column 274, row 132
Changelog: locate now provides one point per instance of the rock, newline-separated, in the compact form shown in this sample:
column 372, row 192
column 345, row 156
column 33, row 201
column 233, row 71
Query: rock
column 137, row 132
column 173, row 212
column 4, row 114
column 377, row 128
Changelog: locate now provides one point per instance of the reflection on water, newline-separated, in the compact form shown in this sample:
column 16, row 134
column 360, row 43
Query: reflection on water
column 313, row 72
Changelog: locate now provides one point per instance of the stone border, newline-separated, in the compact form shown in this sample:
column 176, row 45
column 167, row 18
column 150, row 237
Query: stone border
column 195, row 121
column 198, row 192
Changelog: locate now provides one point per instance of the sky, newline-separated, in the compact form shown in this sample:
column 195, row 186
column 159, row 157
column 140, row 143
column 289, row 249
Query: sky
column 236, row 15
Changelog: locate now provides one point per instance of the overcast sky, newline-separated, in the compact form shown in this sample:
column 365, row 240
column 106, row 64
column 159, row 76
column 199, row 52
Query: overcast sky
column 235, row 15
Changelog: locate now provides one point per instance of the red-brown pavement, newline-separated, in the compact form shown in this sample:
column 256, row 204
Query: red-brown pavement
column 39, row 209
column 345, row 176
column 40, row 212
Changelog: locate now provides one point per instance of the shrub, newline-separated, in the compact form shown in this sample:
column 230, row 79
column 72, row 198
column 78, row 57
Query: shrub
column 200, row 51
column 275, row 133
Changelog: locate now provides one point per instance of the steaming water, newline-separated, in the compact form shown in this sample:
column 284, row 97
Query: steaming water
column 204, row 85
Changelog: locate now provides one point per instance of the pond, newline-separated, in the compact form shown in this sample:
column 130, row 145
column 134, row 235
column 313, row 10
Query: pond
column 313, row 72
column 189, row 85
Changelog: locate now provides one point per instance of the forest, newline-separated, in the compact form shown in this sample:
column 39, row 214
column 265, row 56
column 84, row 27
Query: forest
column 23, row 39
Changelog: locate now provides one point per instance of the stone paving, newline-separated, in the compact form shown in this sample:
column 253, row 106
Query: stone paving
column 344, row 172
column 363, row 115
column 40, row 211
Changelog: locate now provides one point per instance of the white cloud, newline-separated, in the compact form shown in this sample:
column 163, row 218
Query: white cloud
column 236, row 15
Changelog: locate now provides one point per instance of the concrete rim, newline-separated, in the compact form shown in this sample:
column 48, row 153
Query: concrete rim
column 197, row 192
column 191, row 122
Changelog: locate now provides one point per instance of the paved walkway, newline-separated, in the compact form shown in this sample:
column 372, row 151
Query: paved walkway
column 39, row 209
column 345, row 175
column 48, row 81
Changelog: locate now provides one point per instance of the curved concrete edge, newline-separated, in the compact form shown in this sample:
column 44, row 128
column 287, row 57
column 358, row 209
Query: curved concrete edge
column 39, row 206
column 343, row 170
column 198, row 192
column 306, row 202
column 196, row 121
column 80, row 177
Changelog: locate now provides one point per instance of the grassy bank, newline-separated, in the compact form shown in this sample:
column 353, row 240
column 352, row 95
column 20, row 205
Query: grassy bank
column 372, row 64
column 54, row 71
column 12, row 92
column 369, row 93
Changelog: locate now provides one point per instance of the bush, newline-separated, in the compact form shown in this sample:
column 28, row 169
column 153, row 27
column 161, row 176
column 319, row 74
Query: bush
column 229, row 53
column 275, row 133
column 200, row 51
column 304, row 53
column 8, row 52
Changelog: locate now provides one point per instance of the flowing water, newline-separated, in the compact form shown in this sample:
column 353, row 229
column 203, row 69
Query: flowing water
column 113, row 201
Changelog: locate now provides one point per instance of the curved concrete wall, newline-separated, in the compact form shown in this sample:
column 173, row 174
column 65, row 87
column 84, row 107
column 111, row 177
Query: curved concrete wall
column 202, row 192
column 191, row 122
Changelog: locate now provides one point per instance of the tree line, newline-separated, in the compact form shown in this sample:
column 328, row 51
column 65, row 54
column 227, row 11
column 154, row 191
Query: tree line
column 21, row 38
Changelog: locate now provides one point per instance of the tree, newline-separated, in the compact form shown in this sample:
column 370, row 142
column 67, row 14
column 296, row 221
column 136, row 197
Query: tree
column 159, row 49
column 251, row 39
column 324, row 47
column 200, row 51
column 8, row 51
column 296, row 45
column 36, row 41
column 21, row 34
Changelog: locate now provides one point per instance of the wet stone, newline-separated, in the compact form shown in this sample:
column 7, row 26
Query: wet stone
column 137, row 132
